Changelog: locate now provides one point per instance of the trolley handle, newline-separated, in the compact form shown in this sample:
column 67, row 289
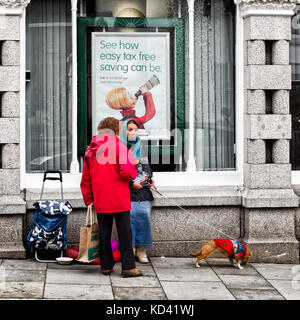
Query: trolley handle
column 52, row 178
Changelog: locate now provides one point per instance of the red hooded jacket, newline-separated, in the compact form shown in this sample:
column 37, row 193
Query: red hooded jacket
column 108, row 166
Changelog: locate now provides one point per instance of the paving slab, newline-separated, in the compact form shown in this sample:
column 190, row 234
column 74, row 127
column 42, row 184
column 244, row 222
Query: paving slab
column 170, row 262
column 23, row 275
column 224, row 262
column 277, row 271
column 74, row 266
column 204, row 273
column 80, row 277
column 196, row 291
column 290, row 289
column 144, row 281
column 244, row 282
column 253, row 294
column 139, row 293
column 29, row 264
column 33, row 299
column 230, row 270
column 78, row 292
column 22, row 290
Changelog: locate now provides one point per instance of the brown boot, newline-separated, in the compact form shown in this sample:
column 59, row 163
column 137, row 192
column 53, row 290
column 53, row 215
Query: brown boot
column 131, row 273
column 107, row 272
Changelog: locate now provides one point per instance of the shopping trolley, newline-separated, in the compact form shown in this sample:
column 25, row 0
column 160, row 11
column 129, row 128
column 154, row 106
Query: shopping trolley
column 49, row 225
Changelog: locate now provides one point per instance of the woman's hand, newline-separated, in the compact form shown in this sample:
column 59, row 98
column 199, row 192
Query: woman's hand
column 137, row 185
column 150, row 185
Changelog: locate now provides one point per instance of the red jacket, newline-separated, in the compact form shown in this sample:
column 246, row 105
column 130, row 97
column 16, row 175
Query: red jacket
column 108, row 166
column 149, row 114
column 232, row 247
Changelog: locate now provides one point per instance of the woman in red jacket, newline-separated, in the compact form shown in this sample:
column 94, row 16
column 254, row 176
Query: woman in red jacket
column 107, row 168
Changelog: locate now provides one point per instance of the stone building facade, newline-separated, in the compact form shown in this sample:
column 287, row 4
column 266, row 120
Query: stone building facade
column 261, row 206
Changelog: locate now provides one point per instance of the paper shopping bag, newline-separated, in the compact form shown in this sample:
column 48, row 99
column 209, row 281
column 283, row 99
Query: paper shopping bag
column 89, row 238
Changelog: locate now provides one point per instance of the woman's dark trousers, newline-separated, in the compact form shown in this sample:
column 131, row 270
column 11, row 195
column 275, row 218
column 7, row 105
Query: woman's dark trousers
column 105, row 221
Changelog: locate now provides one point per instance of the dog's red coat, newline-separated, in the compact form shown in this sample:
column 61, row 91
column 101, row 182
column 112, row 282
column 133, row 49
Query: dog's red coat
column 228, row 246
column 225, row 244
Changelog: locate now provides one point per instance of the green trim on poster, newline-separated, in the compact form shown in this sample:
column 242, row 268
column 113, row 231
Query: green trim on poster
column 86, row 22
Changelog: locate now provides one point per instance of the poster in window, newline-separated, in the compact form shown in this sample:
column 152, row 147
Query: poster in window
column 131, row 79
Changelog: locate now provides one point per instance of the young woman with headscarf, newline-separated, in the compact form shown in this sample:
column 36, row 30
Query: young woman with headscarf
column 140, row 195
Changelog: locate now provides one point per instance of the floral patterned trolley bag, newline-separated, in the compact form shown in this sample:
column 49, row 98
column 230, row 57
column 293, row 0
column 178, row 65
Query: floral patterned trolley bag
column 49, row 224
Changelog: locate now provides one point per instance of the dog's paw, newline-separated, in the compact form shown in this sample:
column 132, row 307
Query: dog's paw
column 197, row 265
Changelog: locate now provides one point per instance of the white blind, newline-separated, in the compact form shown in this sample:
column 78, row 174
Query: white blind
column 48, row 93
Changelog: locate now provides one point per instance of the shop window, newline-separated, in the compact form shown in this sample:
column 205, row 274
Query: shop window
column 295, row 92
column 215, row 83
column 48, row 85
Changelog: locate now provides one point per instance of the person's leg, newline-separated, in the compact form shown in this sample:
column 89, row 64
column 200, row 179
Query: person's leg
column 125, row 235
column 127, row 256
column 143, row 230
column 105, row 221
column 143, row 237
column 132, row 223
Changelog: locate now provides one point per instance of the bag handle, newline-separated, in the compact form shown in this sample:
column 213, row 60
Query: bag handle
column 91, row 216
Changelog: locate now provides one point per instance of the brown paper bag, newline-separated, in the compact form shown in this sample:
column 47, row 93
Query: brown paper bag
column 89, row 238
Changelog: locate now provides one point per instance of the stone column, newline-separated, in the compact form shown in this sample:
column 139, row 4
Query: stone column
column 12, row 204
column 268, row 200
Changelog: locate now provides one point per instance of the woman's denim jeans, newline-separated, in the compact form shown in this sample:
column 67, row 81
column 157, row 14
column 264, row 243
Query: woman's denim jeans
column 141, row 223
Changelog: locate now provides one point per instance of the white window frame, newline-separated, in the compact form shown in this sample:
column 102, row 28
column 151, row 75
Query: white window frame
column 295, row 177
column 165, row 179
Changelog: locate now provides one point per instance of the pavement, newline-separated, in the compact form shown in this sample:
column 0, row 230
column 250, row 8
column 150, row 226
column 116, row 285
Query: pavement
column 165, row 278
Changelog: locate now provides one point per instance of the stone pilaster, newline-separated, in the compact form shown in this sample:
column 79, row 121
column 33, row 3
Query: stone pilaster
column 12, row 204
column 269, row 201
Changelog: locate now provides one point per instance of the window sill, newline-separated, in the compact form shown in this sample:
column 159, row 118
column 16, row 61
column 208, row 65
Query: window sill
column 180, row 180
column 187, row 196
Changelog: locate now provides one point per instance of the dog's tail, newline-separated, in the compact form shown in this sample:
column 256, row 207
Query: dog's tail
column 196, row 254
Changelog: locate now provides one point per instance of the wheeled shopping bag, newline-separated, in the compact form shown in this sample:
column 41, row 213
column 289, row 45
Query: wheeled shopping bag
column 49, row 225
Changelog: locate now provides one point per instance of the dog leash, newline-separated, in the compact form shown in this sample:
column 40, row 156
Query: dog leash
column 154, row 188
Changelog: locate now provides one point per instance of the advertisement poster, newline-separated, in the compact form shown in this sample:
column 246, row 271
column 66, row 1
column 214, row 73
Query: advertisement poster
column 122, row 62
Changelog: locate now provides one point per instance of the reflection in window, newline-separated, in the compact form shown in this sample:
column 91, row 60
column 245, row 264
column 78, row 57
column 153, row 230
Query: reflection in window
column 133, row 8
column 215, row 106
column 48, row 93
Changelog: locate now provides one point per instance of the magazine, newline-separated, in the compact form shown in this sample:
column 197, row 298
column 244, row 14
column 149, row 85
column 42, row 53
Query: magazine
column 144, row 172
